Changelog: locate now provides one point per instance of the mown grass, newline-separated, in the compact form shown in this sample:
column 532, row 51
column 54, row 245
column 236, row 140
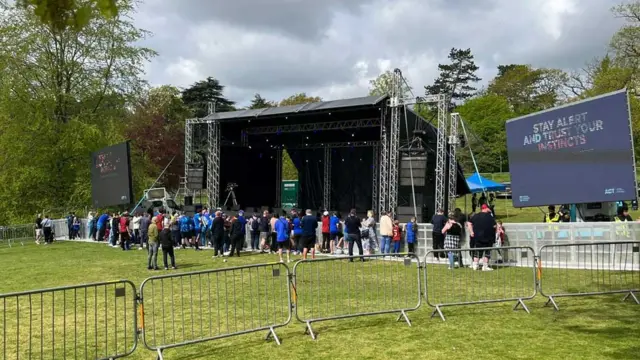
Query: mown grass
column 585, row 328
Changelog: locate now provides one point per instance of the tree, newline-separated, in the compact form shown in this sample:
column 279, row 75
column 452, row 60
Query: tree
column 258, row 102
column 61, row 14
column 64, row 93
column 526, row 89
column 456, row 78
column 299, row 99
column 625, row 44
column 198, row 96
column 156, row 130
column 71, row 72
column 485, row 118
column 383, row 85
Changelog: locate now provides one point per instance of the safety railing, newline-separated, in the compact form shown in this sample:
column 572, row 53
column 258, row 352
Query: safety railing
column 569, row 270
column 508, row 275
column 345, row 287
column 21, row 233
column 189, row 308
column 92, row 321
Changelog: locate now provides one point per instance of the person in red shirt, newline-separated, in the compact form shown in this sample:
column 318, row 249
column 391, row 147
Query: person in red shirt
column 325, row 232
column 160, row 220
column 124, row 231
column 397, row 236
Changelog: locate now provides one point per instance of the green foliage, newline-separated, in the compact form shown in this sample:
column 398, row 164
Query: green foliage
column 198, row 96
column 63, row 14
column 526, row 89
column 299, row 99
column 485, row 118
column 258, row 102
column 456, row 78
column 383, row 85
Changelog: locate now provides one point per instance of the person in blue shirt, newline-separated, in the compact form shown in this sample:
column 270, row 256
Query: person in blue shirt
column 204, row 227
column 185, row 232
column 309, row 226
column 334, row 224
column 102, row 226
column 282, row 237
column 411, row 231
column 197, row 225
column 297, row 233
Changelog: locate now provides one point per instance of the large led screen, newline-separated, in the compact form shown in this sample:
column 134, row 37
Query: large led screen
column 111, row 176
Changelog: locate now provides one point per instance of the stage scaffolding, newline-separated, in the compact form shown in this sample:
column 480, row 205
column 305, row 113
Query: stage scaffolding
column 386, row 159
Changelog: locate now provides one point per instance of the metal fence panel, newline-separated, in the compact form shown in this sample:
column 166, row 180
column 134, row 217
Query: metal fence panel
column 21, row 233
column 91, row 321
column 513, row 278
column 344, row 287
column 589, row 269
column 190, row 308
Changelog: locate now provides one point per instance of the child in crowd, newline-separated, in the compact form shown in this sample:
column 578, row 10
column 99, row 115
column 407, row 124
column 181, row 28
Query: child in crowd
column 397, row 236
column 412, row 234
column 452, row 231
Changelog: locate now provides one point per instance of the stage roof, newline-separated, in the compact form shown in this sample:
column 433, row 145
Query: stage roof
column 280, row 111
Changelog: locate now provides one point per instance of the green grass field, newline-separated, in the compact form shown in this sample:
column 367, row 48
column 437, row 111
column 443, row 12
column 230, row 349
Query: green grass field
column 584, row 328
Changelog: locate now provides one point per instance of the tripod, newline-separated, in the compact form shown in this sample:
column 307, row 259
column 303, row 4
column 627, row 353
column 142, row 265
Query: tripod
column 232, row 195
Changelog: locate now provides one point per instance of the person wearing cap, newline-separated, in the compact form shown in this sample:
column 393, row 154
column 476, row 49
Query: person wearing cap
column 152, row 232
column 482, row 228
column 326, row 233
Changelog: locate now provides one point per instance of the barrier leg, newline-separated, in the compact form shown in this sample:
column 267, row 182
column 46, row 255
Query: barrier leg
column 439, row 312
column 552, row 302
column 309, row 330
column 403, row 314
column 521, row 304
column 272, row 334
column 159, row 357
column 633, row 296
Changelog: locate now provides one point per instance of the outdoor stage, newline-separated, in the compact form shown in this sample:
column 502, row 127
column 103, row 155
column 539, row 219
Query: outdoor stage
column 344, row 151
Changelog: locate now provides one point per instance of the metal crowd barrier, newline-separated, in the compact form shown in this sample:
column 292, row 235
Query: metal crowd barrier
column 21, row 233
column 92, row 321
column 513, row 278
column 190, row 308
column 568, row 270
column 344, row 287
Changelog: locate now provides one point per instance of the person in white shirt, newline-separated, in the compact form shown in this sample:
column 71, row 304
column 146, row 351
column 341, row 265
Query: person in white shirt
column 136, row 228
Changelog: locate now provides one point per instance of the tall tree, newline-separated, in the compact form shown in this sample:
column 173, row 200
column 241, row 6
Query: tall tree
column 198, row 96
column 456, row 79
column 64, row 94
column 527, row 89
column 156, row 129
column 71, row 71
column 625, row 44
column 258, row 102
column 298, row 99
column 486, row 116
column 383, row 85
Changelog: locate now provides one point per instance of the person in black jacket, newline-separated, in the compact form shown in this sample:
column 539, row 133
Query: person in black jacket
column 236, row 235
column 263, row 228
column 309, row 225
column 166, row 242
column 217, row 231
column 353, row 224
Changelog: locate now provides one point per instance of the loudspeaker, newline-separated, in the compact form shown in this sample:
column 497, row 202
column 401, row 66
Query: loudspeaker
column 195, row 178
column 189, row 210
column 188, row 200
column 413, row 165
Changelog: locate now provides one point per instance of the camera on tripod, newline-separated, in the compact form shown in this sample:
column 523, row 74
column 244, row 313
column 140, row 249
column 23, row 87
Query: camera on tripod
column 231, row 186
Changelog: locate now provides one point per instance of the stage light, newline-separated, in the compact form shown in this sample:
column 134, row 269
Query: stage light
column 342, row 160
column 353, row 135
column 361, row 159
column 267, row 140
column 307, row 138
column 232, row 143
column 307, row 160
column 249, row 147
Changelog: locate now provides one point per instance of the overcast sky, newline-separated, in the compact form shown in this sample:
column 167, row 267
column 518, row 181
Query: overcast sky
column 332, row 48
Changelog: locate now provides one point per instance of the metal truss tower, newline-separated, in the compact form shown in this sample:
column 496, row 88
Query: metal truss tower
column 213, row 160
column 374, row 178
column 441, row 152
column 384, row 166
column 453, row 164
column 278, row 177
column 326, row 184
column 396, row 103
column 188, row 148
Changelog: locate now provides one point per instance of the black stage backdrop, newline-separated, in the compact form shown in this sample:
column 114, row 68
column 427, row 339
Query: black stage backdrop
column 351, row 176
column 254, row 171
